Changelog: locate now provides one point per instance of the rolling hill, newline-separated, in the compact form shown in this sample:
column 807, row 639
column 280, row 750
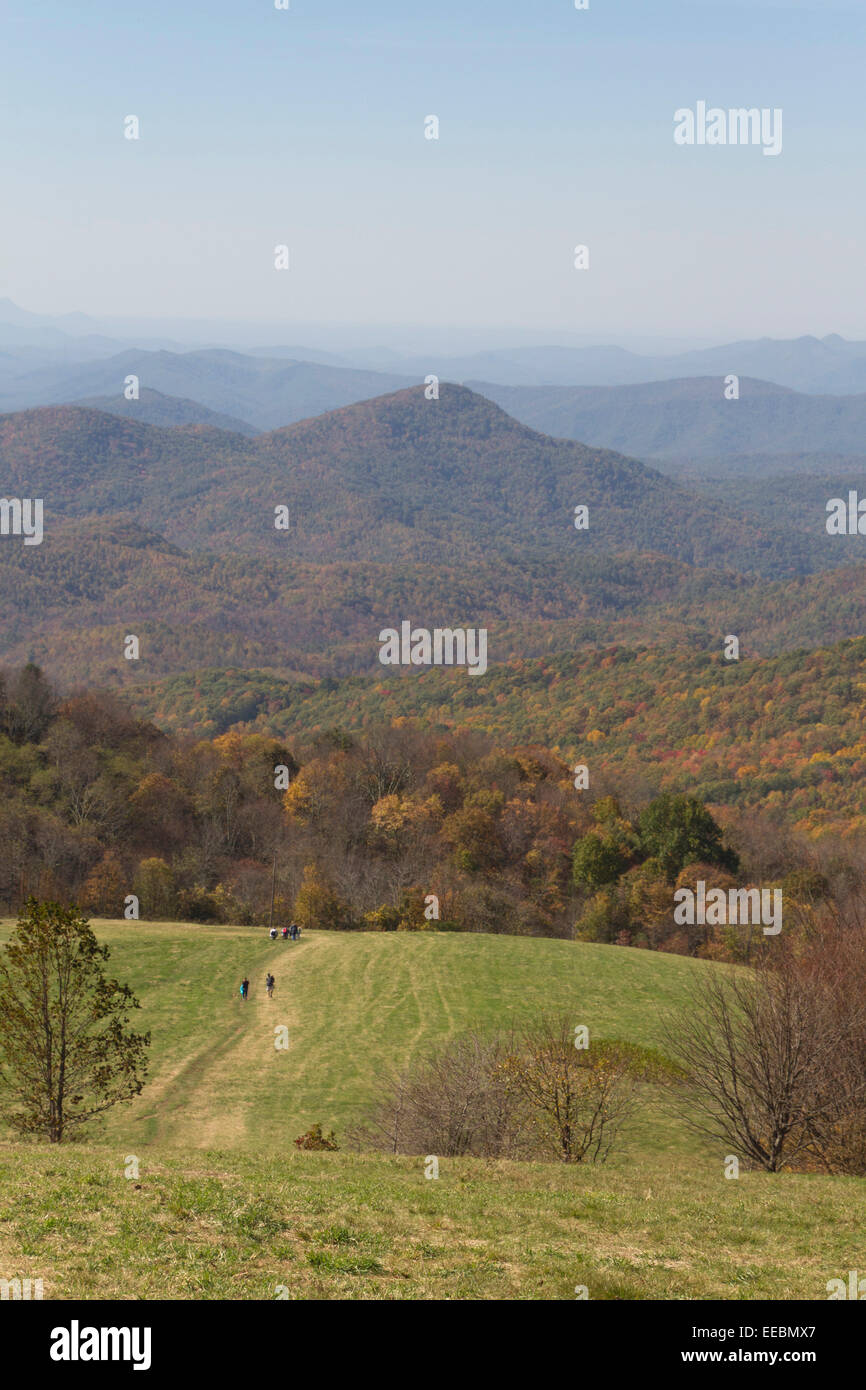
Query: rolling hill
column 397, row 478
column 222, row 1205
column 155, row 408
column 690, row 418
column 218, row 1082
column 264, row 392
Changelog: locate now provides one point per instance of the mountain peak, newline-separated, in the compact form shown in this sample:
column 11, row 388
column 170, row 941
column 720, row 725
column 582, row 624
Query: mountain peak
column 409, row 414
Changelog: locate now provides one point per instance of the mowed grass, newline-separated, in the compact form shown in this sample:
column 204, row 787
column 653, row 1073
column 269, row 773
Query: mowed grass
column 212, row 1225
column 224, row 1206
column 354, row 1006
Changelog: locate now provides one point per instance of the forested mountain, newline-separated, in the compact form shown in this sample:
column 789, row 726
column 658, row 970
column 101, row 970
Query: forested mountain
column 398, row 478
column 155, row 408
column 781, row 736
column 690, row 418
column 444, row 513
column 264, row 392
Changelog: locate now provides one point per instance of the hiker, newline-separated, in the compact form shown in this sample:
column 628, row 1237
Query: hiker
column 245, row 987
column 294, row 931
column 269, row 985
column 273, row 933
column 285, row 933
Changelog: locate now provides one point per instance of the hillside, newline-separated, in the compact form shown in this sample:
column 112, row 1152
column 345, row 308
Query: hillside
column 264, row 392
column 224, row 1206
column 97, row 580
column 398, row 478
column 355, row 1004
column 690, row 418
column 781, row 735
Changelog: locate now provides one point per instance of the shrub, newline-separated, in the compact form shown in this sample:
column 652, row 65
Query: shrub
column 315, row 1139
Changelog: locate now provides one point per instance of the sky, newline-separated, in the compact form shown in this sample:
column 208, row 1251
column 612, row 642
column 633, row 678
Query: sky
column 262, row 127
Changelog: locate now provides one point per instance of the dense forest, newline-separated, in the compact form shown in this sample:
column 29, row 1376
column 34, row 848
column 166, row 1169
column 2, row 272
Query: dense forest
column 258, row 651
column 782, row 737
column 392, row 480
column 394, row 828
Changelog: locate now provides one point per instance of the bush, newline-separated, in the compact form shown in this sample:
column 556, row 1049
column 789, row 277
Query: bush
column 315, row 1139
column 381, row 919
column 532, row 1094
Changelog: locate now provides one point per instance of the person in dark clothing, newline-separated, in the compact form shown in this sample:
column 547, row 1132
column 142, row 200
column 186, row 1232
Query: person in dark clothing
column 269, row 985
column 245, row 987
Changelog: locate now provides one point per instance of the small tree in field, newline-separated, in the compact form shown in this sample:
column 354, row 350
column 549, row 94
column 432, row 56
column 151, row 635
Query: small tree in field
column 576, row 1099
column 65, row 1051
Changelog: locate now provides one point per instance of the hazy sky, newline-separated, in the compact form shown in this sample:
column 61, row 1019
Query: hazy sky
column 306, row 127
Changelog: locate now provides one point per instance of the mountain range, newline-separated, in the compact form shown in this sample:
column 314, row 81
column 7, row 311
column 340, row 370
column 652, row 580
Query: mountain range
column 684, row 422
column 444, row 512
column 400, row 477
column 691, row 418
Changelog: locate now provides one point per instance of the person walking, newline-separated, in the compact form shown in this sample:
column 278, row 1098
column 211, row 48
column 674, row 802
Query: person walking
column 245, row 987
column 269, row 985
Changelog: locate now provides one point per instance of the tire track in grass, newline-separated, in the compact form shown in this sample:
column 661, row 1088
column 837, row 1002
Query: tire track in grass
column 208, row 1101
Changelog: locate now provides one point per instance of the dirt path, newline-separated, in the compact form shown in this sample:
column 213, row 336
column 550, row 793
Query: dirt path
column 208, row 1101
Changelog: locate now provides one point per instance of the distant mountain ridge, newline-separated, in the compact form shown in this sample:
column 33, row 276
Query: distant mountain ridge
column 265, row 393
column 396, row 478
column 831, row 365
column 690, row 417
column 154, row 408
column 53, row 359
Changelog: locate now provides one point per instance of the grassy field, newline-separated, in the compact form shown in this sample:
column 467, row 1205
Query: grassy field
column 354, row 1005
column 236, row 1226
column 224, row 1206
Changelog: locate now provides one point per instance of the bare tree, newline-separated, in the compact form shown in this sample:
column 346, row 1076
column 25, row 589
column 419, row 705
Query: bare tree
column 576, row 1099
column 455, row 1101
column 527, row 1095
column 761, row 1051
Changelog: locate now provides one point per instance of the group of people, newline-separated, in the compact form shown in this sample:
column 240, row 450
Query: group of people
column 291, row 933
column 270, row 981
